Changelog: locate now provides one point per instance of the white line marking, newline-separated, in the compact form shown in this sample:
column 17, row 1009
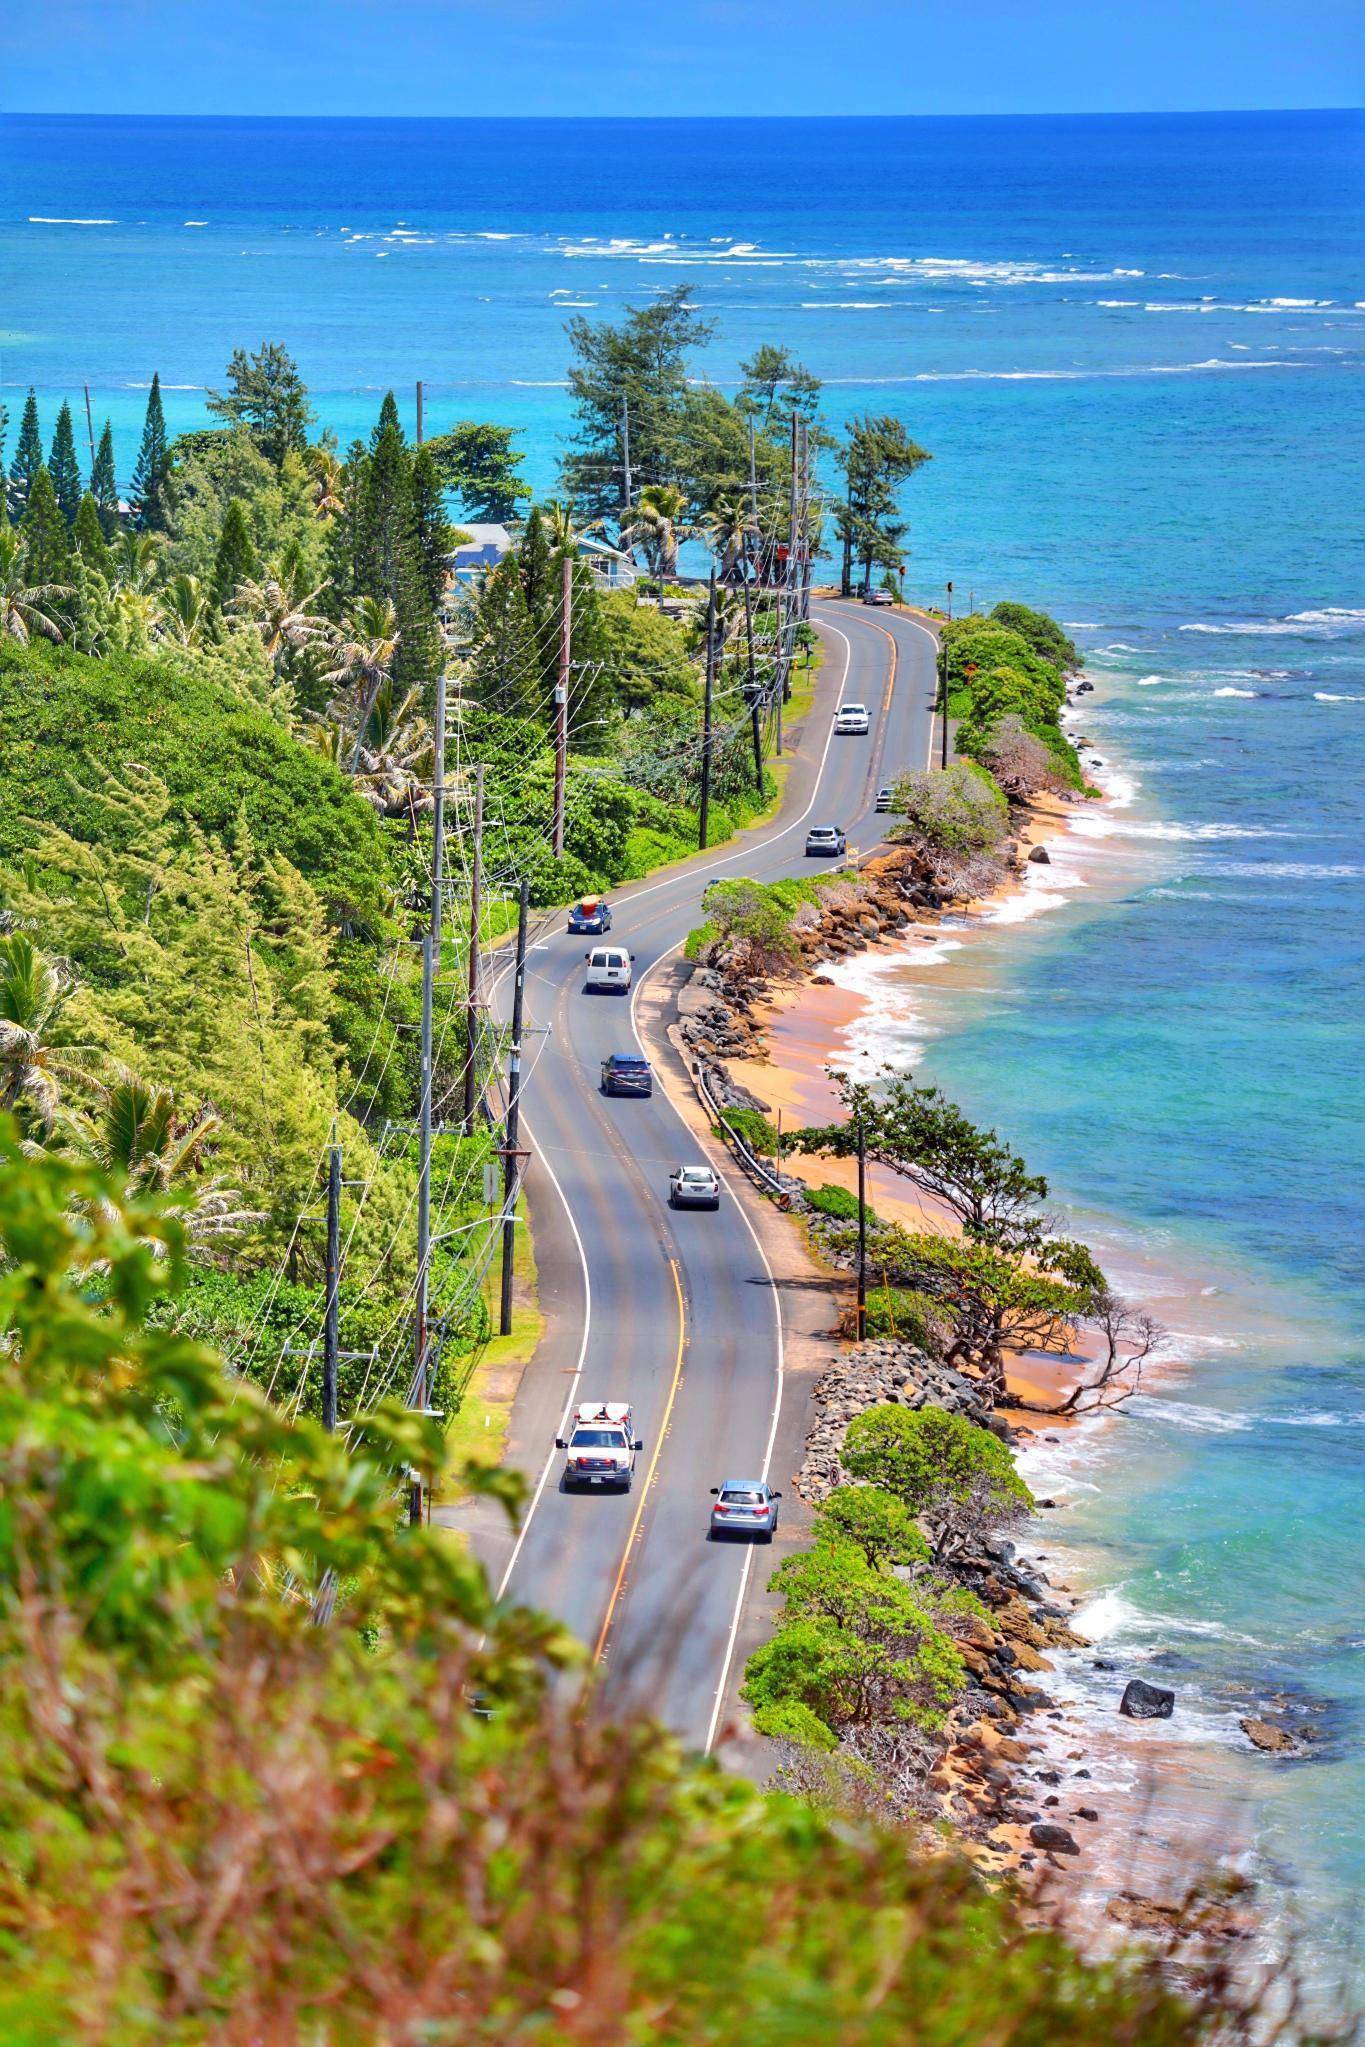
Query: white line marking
column 577, row 1370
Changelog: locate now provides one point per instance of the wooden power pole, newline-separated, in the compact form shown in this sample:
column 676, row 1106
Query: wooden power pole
column 471, row 1013
column 704, row 813
column 512, row 1127
column 562, row 705
column 331, row 1303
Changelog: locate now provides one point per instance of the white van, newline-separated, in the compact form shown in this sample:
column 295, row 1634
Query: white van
column 609, row 968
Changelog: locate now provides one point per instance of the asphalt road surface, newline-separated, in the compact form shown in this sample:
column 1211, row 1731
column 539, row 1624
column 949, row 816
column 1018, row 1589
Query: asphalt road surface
column 674, row 1312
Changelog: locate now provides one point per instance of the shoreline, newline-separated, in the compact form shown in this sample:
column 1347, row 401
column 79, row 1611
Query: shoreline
column 1136, row 1860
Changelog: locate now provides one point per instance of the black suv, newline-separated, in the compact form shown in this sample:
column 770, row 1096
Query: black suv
column 626, row 1073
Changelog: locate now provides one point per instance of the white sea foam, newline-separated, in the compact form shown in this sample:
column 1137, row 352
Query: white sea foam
column 1331, row 619
column 194, row 223
column 1229, row 690
column 1327, row 696
column 1148, row 681
column 68, row 220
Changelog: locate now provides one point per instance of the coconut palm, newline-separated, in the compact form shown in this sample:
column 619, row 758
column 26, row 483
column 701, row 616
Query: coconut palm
column 183, row 612
column 730, row 528
column 657, row 527
column 363, row 651
column 134, row 562
column 285, row 620
column 27, row 608
column 329, row 482
column 34, row 991
column 139, row 1133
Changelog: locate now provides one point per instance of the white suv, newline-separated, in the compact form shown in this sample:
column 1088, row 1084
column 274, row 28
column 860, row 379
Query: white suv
column 608, row 967
column 600, row 1446
column 852, row 718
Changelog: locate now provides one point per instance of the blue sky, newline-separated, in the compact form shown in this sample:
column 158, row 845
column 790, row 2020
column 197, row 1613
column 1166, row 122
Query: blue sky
column 709, row 56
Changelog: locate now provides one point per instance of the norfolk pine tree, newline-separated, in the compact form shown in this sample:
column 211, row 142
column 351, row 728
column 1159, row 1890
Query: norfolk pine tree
column 235, row 561
column 104, row 486
column 47, row 555
column 64, row 468
column 28, row 458
column 151, row 478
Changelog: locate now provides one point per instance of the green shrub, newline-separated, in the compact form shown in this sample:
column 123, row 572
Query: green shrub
column 911, row 1317
column 959, row 810
column 874, row 1521
column 750, row 1124
column 836, row 1202
column 790, row 1720
column 958, row 1478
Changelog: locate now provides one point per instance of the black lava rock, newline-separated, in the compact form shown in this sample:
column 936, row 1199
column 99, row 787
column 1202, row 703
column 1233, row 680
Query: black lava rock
column 1142, row 1701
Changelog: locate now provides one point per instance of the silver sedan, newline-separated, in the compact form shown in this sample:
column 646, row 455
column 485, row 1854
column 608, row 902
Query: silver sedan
column 693, row 1187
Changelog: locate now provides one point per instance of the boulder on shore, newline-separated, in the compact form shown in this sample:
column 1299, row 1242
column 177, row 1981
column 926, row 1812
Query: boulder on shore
column 1040, row 857
column 1057, row 1839
column 1263, row 1734
column 1142, row 1701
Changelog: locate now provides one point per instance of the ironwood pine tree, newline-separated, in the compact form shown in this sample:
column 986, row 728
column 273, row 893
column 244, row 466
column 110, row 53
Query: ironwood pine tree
column 63, row 466
column 47, row 554
column 28, row 457
column 389, row 560
column 88, row 535
column 104, row 485
column 151, row 478
column 268, row 397
column 235, row 561
column 345, row 533
column 430, row 524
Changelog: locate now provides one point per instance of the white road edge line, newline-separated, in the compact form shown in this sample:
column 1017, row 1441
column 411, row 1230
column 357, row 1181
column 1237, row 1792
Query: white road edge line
column 577, row 1370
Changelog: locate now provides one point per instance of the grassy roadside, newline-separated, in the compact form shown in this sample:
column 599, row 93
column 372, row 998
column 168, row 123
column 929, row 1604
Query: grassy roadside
column 478, row 1431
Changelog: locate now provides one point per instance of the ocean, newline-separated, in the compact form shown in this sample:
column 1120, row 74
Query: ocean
column 1134, row 348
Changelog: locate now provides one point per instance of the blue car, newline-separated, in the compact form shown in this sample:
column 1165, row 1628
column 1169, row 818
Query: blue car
column 592, row 915
column 626, row 1073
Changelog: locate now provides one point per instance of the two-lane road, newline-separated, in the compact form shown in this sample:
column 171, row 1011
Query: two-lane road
column 674, row 1312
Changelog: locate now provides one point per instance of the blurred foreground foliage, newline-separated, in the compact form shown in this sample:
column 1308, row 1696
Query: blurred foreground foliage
column 274, row 1768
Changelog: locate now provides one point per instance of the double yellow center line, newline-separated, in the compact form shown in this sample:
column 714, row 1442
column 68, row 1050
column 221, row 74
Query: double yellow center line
column 599, row 1649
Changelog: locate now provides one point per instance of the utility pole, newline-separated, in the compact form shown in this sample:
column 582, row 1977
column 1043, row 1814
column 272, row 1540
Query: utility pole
column 704, row 814
column 421, row 410
column 512, row 1130
column 438, row 814
column 562, row 705
column 420, row 1399
column 752, row 685
column 331, row 1308
column 860, row 1323
column 805, row 521
column 89, row 429
column 793, row 578
column 753, row 478
column 943, row 654
column 471, row 1013
column 627, row 493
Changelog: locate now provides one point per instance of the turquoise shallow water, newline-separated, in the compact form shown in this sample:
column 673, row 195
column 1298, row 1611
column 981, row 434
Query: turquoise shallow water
column 1134, row 348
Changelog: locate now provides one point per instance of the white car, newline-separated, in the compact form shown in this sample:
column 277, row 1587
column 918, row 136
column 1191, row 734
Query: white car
column 600, row 1446
column 885, row 797
column 852, row 718
column 693, row 1187
column 609, row 968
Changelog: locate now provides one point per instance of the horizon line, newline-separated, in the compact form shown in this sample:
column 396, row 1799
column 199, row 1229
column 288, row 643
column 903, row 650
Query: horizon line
column 642, row 120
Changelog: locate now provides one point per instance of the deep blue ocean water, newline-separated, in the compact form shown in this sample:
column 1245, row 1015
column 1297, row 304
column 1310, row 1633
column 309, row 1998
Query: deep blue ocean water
column 1134, row 348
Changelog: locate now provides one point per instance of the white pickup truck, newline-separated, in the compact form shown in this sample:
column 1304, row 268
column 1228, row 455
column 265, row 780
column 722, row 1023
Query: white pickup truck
column 600, row 1446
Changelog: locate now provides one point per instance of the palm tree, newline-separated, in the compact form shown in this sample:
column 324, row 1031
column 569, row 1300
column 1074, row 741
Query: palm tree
column 135, row 561
column 329, row 482
column 34, row 991
column 139, row 1134
column 27, row 608
column 657, row 527
column 285, row 621
column 364, row 651
column 183, row 612
column 729, row 527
